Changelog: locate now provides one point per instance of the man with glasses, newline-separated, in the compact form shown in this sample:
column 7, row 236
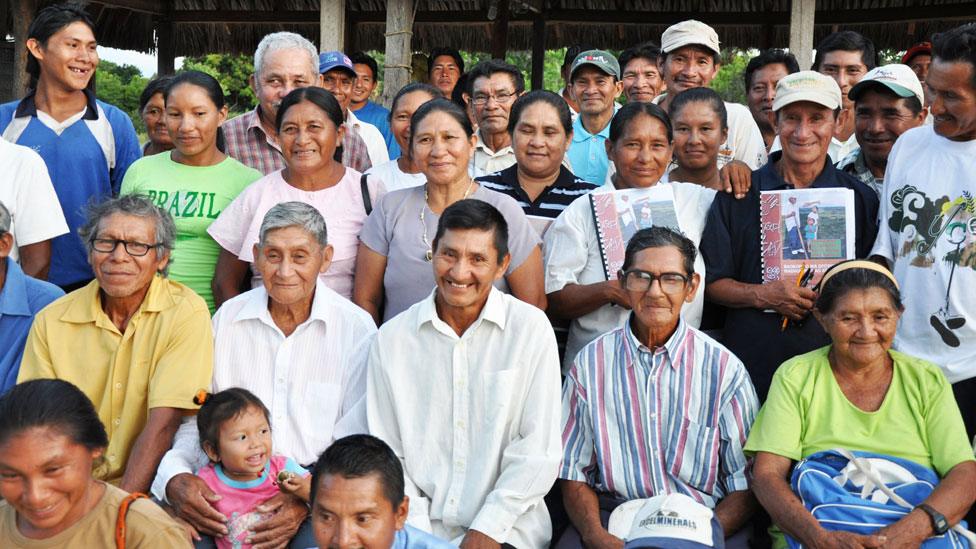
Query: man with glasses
column 655, row 406
column 138, row 344
column 493, row 86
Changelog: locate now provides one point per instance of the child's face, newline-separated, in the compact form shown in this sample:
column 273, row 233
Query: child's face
column 244, row 445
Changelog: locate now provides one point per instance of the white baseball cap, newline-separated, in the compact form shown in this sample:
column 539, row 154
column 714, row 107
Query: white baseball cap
column 690, row 32
column 675, row 521
column 898, row 78
column 807, row 86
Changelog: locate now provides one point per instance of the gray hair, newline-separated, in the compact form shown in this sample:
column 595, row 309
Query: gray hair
column 661, row 237
column 294, row 214
column 5, row 220
column 284, row 41
column 135, row 205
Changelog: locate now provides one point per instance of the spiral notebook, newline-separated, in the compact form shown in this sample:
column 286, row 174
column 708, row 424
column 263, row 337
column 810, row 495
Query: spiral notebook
column 620, row 214
column 811, row 227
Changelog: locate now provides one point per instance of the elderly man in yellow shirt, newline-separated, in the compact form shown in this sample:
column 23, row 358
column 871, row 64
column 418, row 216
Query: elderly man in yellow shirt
column 136, row 343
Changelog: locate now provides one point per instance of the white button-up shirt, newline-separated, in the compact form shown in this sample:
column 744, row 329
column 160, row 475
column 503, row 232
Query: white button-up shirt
column 312, row 381
column 372, row 136
column 572, row 256
column 475, row 419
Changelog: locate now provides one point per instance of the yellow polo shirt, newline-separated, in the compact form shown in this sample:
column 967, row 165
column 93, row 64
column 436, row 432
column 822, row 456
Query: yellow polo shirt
column 162, row 359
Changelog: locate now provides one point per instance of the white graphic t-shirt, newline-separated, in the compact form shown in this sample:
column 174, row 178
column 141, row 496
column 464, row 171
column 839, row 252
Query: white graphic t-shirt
column 928, row 235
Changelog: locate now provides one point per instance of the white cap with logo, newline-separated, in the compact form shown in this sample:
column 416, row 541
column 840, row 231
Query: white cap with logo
column 689, row 33
column 807, row 86
column 900, row 79
column 673, row 520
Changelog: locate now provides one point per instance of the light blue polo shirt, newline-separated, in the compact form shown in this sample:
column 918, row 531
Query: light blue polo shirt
column 588, row 153
column 20, row 299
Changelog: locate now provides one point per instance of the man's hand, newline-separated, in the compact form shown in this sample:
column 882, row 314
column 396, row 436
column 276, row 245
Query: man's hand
column 787, row 299
column 736, row 178
column 847, row 540
column 616, row 294
column 476, row 540
column 287, row 513
column 192, row 500
column 603, row 540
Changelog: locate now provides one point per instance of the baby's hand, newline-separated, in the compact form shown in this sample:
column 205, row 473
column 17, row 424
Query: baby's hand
column 290, row 483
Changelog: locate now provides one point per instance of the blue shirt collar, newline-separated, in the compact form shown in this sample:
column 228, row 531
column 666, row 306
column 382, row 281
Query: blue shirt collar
column 27, row 106
column 580, row 134
column 13, row 297
column 242, row 484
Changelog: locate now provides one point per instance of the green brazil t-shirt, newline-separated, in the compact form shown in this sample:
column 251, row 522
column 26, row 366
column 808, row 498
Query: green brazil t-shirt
column 194, row 196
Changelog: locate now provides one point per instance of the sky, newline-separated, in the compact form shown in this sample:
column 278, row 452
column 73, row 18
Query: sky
column 144, row 61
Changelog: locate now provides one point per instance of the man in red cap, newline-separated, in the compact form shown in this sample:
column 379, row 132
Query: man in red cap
column 918, row 58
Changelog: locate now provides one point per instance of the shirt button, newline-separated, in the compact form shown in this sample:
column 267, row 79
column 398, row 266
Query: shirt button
column 118, row 386
column 111, row 457
column 117, row 421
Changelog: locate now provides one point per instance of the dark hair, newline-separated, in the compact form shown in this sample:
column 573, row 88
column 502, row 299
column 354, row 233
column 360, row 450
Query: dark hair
column 441, row 105
column 412, row 87
column 661, row 237
column 440, row 51
column 459, row 91
column 156, row 85
column 487, row 68
column 321, row 98
column 357, row 456
column 700, row 95
column 572, row 52
column 647, row 50
column 362, row 58
column 52, row 403
column 46, row 24
column 911, row 103
column 541, row 96
column 770, row 57
column 958, row 46
column 855, row 279
column 847, row 40
column 472, row 213
column 210, row 85
column 622, row 120
column 222, row 406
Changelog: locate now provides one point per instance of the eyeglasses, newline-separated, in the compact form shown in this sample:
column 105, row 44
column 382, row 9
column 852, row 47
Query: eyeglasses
column 502, row 98
column 135, row 249
column 641, row 281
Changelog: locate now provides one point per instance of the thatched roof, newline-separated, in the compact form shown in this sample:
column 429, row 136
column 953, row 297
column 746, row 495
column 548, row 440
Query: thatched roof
column 238, row 25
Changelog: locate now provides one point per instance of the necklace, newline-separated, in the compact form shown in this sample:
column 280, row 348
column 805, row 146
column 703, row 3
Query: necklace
column 429, row 254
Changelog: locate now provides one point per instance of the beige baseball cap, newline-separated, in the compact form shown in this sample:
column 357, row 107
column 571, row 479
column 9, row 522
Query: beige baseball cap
column 690, row 32
column 807, row 86
column 900, row 79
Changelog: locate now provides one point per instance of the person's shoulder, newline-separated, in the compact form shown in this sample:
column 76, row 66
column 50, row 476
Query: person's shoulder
column 145, row 519
column 118, row 118
column 918, row 369
column 797, row 370
column 41, row 293
column 737, row 110
column 185, row 300
column 919, row 135
column 53, row 311
column 346, row 311
column 414, row 538
column 402, row 326
column 523, row 314
column 240, row 121
column 239, row 169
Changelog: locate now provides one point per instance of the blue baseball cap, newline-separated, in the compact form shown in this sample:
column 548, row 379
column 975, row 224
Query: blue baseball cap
column 335, row 60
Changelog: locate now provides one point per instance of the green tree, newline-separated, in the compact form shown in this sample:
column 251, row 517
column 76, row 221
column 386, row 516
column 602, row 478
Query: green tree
column 233, row 72
column 729, row 82
column 121, row 85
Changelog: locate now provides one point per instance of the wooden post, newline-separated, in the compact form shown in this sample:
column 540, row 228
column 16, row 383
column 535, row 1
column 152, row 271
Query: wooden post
column 165, row 41
column 399, row 29
column 802, row 14
column 332, row 25
column 499, row 30
column 538, row 50
column 23, row 14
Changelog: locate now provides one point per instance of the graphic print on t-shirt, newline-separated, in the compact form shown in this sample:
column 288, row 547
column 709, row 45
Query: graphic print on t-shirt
column 950, row 225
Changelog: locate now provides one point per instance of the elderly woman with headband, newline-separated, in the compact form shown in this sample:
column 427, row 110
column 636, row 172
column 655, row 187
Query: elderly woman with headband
column 859, row 394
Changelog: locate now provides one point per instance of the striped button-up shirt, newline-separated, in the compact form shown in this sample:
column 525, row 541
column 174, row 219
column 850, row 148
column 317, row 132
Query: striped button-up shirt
column 639, row 422
column 249, row 144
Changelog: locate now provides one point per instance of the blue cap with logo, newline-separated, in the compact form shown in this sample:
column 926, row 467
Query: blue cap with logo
column 335, row 60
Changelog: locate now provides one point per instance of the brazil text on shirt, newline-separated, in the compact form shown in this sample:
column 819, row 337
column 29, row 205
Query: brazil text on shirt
column 86, row 155
column 185, row 203
column 550, row 203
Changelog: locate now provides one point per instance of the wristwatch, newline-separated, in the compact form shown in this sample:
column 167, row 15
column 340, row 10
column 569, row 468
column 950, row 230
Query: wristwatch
column 939, row 522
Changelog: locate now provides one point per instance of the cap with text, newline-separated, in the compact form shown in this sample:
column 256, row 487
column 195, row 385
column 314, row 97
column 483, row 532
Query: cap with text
column 602, row 60
column 335, row 60
column 900, row 79
column 807, row 86
column 672, row 521
column 689, row 33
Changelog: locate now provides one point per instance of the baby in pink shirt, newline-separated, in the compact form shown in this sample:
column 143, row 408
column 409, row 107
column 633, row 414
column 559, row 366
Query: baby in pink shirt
column 235, row 432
